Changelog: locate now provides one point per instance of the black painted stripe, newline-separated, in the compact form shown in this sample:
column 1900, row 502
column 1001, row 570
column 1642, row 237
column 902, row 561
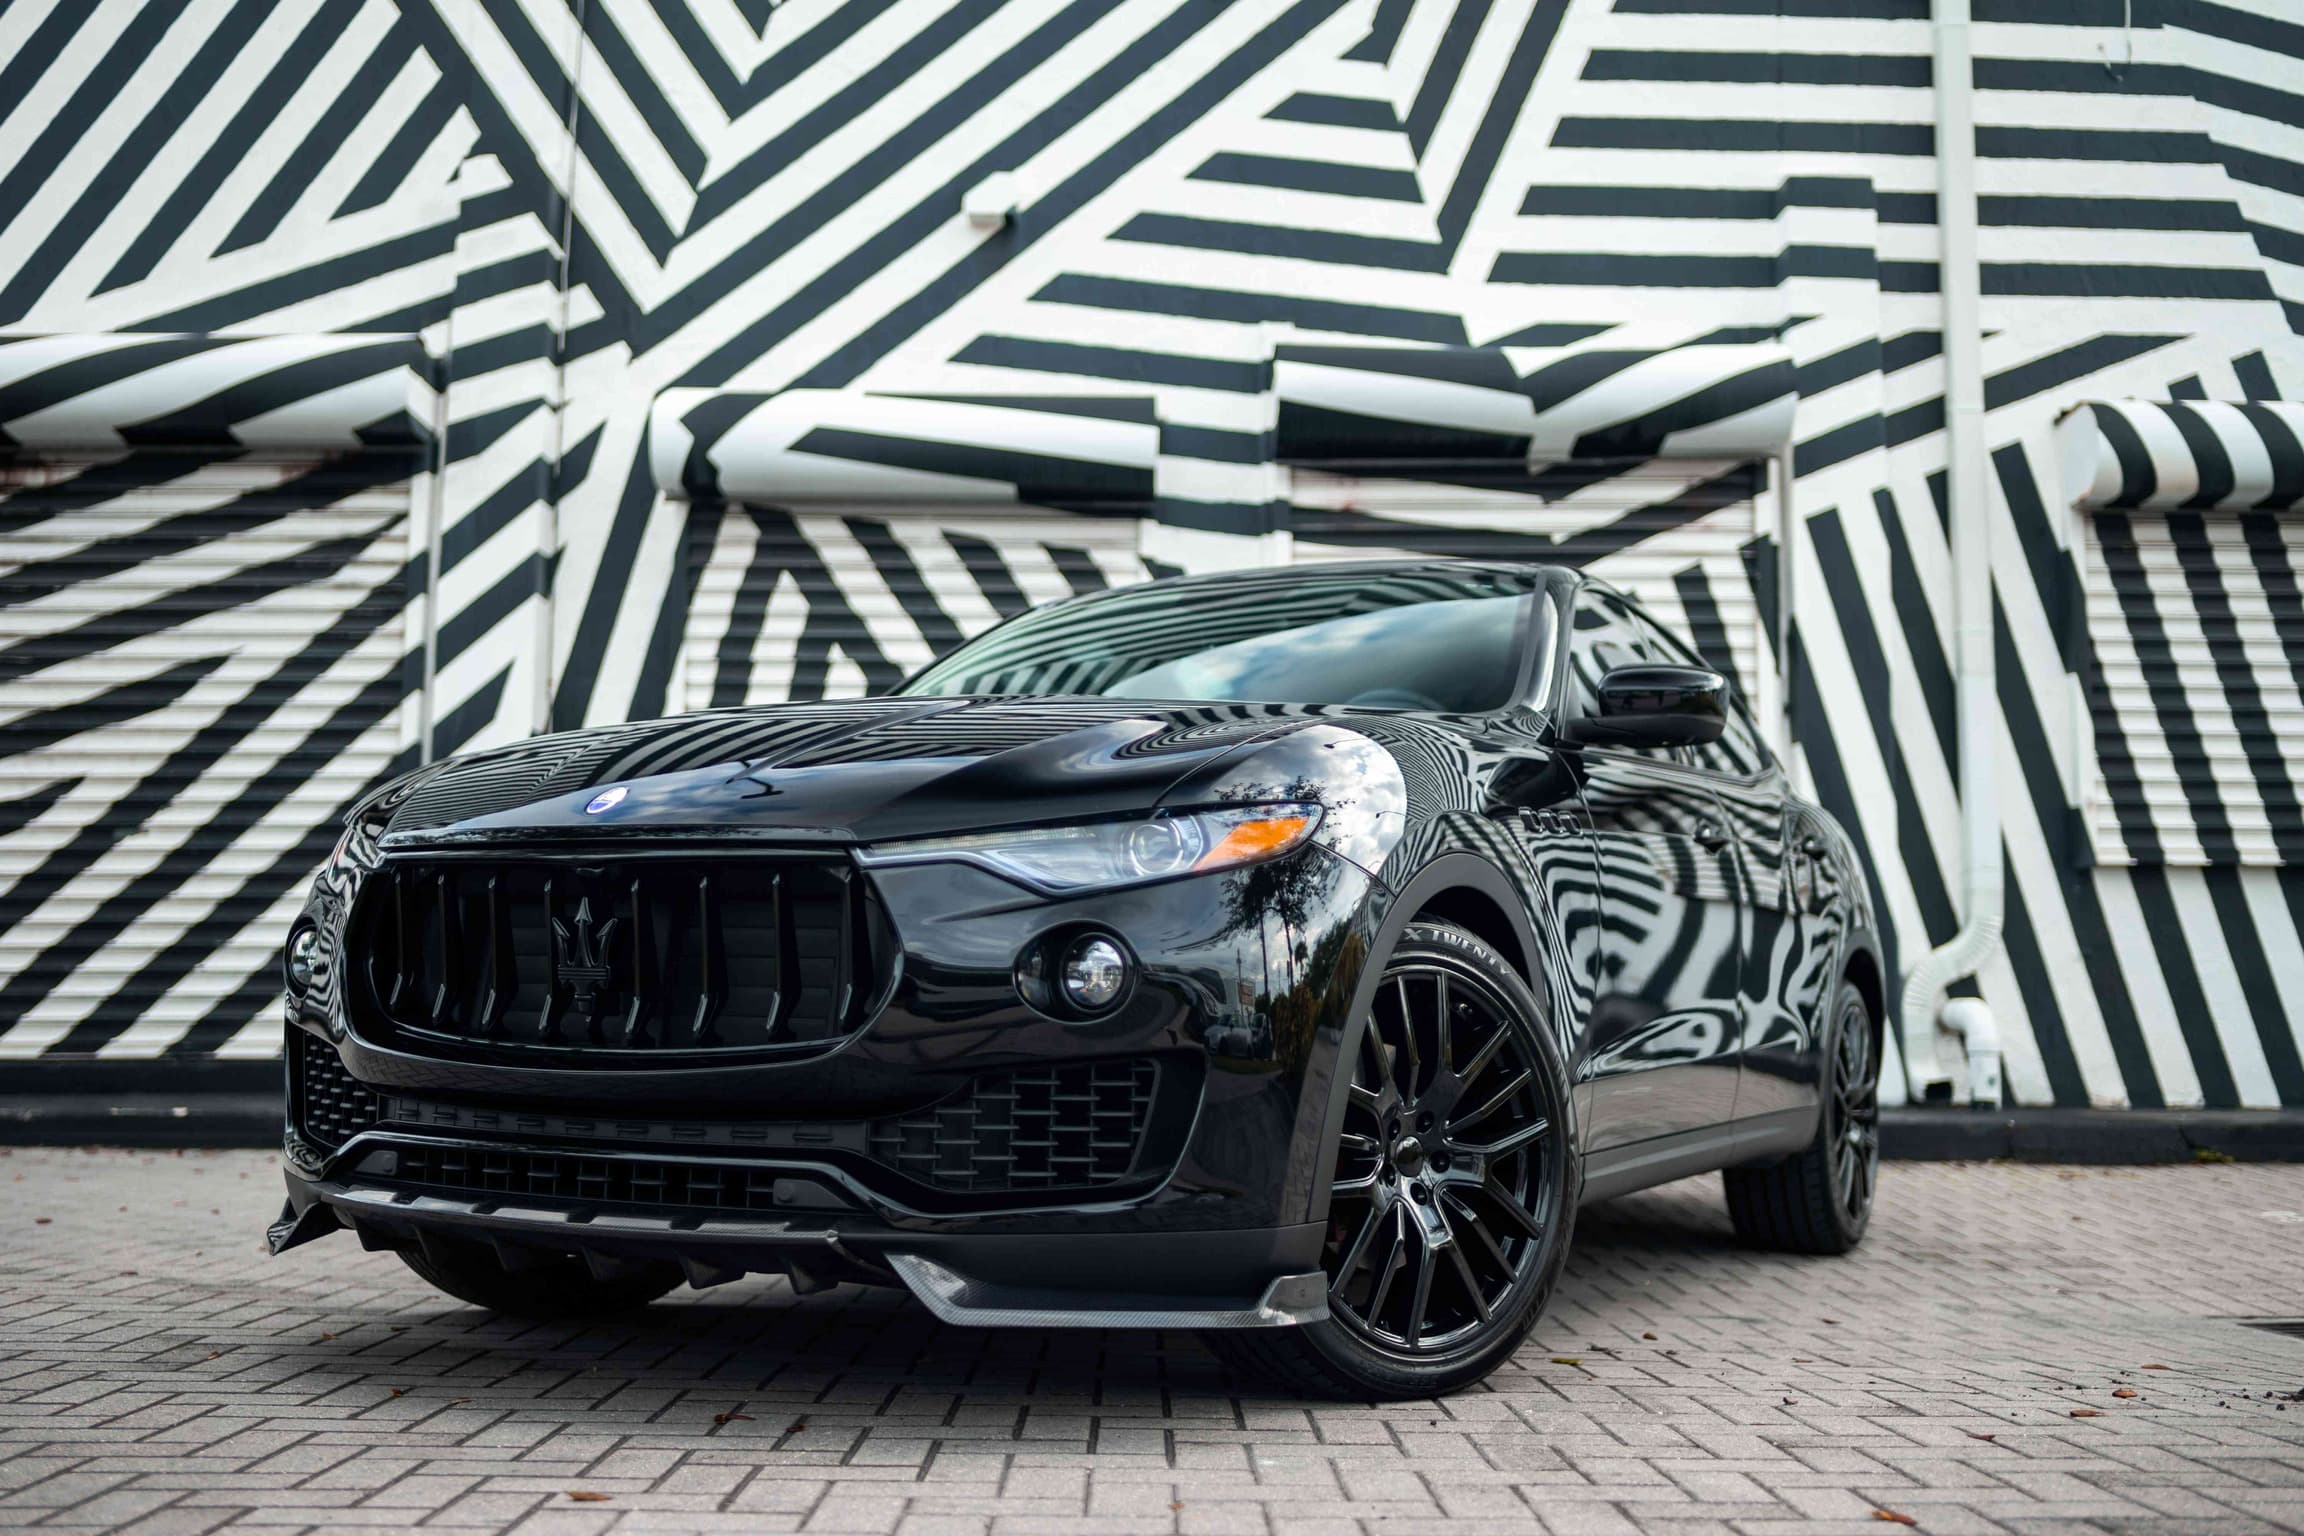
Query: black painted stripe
column 901, row 572
column 397, row 159
column 1293, row 175
column 1914, row 616
column 1443, row 70
column 2286, row 454
column 2211, row 464
column 1332, row 247
column 991, row 574
column 1130, row 365
column 99, row 197
column 2030, row 968
column 2237, row 922
column 1038, row 477
column 2243, row 699
column 329, row 133
column 2139, row 478
column 1337, row 112
column 1078, row 568
column 2164, row 929
column 1744, row 136
column 2082, row 907
column 748, row 613
column 1757, row 68
column 1243, row 308
column 2156, row 660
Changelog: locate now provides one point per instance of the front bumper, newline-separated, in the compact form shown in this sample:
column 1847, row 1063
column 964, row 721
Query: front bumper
column 787, row 1166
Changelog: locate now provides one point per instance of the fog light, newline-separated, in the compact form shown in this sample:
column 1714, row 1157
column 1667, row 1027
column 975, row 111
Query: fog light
column 1093, row 974
column 303, row 958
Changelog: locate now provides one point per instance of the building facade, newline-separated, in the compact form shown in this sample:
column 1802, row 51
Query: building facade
column 386, row 380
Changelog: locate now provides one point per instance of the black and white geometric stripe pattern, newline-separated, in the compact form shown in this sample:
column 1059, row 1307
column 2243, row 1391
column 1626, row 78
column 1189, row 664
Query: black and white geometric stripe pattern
column 2198, row 455
column 824, row 445
column 1588, row 402
column 582, row 210
column 295, row 393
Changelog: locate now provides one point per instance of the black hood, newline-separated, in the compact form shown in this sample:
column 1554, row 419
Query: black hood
column 858, row 770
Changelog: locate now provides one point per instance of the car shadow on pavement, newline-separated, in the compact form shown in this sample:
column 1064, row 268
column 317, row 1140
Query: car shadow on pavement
column 780, row 1356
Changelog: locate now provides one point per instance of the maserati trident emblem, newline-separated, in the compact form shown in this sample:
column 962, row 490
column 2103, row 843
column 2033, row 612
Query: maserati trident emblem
column 583, row 943
column 606, row 800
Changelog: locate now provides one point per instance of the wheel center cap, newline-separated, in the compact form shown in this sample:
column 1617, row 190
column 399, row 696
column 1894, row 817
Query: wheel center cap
column 1408, row 1154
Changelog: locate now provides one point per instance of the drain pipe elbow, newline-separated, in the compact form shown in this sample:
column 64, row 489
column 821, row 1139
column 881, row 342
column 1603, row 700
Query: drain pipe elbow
column 1971, row 1019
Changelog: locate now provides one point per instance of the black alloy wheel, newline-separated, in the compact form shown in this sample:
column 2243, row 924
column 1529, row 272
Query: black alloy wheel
column 1819, row 1200
column 1856, row 1103
column 1452, row 1199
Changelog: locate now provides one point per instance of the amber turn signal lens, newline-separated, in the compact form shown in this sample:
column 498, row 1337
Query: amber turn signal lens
column 1252, row 840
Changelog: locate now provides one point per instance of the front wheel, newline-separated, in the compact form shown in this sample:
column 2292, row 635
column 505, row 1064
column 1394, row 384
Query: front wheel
column 1820, row 1200
column 1453, row 1196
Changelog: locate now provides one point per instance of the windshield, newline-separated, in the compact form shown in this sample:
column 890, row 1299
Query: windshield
column 1448, row 642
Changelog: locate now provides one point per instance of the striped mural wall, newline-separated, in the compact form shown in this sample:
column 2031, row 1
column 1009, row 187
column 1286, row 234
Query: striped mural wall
column 416, row 339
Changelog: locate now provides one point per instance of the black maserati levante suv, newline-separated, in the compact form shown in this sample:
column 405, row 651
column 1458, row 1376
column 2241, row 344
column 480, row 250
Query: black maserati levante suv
column 1285, row 954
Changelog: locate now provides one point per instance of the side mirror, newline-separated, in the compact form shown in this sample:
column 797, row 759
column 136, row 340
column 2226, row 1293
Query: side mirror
column 1656, row 707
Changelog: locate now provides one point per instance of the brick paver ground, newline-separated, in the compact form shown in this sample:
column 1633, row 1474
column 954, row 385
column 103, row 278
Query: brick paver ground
column 1963, row 1372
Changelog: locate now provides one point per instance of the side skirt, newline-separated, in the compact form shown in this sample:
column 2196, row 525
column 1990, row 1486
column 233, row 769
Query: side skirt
column 1645, row 1164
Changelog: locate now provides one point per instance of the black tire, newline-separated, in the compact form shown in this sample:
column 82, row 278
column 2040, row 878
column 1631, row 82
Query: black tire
column 547, row 1286
column 1455, row 1156
column 1820, row 1199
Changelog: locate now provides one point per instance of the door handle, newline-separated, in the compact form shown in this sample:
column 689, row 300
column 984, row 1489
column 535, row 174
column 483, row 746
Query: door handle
column 1711, row 836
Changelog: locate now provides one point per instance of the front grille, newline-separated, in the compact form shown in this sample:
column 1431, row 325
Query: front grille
column 330, row 1105
column 616, row 957
column 1048, row 1128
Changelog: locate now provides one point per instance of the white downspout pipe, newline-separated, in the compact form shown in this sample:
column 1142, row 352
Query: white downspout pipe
column 1971, row 543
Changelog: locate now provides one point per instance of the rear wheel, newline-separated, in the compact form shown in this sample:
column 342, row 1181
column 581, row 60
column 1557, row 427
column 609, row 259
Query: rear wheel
column 545, row 1285
column 1452, row 1201
column 1820, row 1200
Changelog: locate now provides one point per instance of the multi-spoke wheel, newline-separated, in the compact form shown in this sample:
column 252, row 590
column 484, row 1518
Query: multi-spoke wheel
column 1820, row 1199
column 1449, row 1212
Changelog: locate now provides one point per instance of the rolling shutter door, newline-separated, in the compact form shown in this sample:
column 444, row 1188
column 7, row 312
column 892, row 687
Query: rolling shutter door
column 834, row 603
column 1674, row 534
column 200, row 667
column 2198, row 631
column 2191, row 552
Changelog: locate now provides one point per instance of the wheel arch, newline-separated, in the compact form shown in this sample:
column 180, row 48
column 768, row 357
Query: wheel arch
column 1449, row 889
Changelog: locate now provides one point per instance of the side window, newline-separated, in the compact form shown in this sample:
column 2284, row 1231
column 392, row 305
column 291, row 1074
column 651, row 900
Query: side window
column 1738, row 751
column 1605, row 636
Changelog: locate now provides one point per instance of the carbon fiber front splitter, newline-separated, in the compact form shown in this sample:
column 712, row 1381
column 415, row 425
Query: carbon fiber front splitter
column 1059, row 1279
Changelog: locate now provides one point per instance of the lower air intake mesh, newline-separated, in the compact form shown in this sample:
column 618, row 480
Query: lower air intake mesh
column 1048, row 1128
column 331, row 1105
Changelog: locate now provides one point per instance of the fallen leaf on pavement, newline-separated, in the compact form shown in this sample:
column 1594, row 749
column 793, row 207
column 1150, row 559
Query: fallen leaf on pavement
column 398, row 1392
column 2125, row 1392
column 586, row 1496
column 1975, row 1436
column 731, row 1418
column 1893, row 1518
column 1567, row 1359
column 2086, row 1413
column 2156, row 1367
column 793, row 1429
column 1648, row 1336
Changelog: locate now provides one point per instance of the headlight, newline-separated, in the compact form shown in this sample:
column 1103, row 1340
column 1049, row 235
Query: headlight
column 1098, row 854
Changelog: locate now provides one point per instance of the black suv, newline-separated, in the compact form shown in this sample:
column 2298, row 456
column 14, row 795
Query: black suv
column 1284, row 954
